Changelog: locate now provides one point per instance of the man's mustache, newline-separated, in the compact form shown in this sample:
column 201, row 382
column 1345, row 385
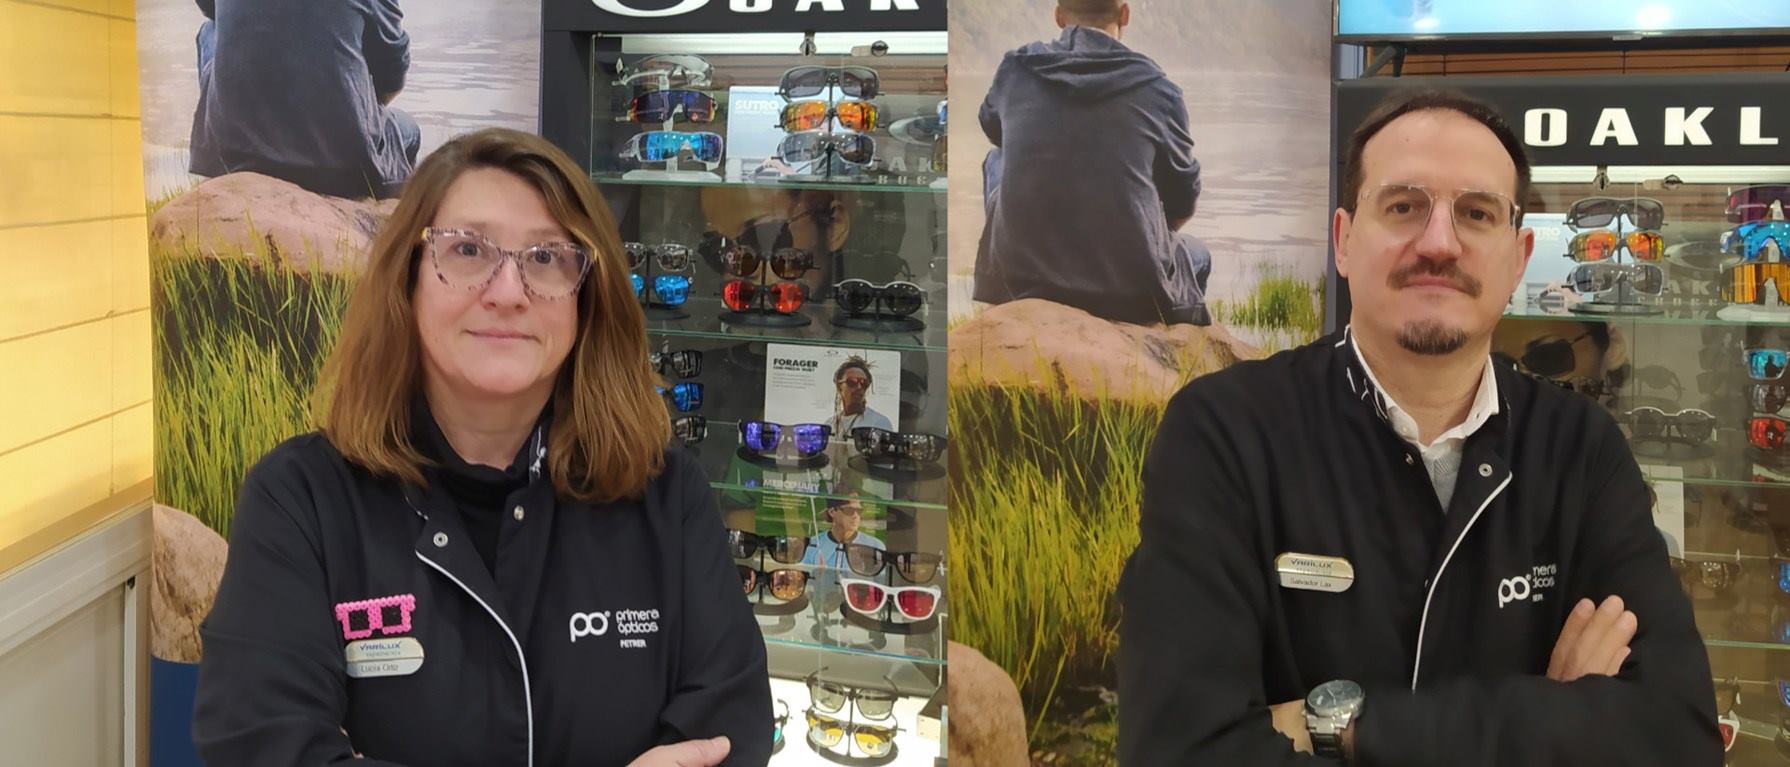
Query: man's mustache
column 1447, row 270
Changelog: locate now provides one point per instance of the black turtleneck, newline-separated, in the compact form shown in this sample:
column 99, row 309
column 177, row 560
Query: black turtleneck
column 480, row 493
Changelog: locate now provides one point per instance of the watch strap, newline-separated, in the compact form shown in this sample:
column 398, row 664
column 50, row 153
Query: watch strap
column 1327, row 744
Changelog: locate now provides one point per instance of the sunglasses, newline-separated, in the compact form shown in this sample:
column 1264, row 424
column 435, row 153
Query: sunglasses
column 809, row 115
column 659, row 106
column 1599, row 212
column 1600, row 276
column 788, row 263
column 689, row 70
column 663, row 145
column 1550, row 356
column 914, row 566
column 784, row 584
column 690, row 429
column 787, row 549
column 745, row 295
column 1766, row 432
column 869, row 598
column 1603, row 244
column 639, row 284
column 832, row 697
column 763, row 437
column 1590, row 387
column 1744, row 283
column 874, row 740
column 803, row 82
column 1753, row 203
column 467, row 260
column 808, row 146
column 670, row 257
column 671, row 289
column 1690, row 426
column 777, row 725
column 1718, row 577
column 882, row 443
column 685, row 396
column 1729, row 723
column 1748, row 240
column 719, row 250
column 684, row 363
column 1766, row 364
column 1769, row 398
column 897, row 299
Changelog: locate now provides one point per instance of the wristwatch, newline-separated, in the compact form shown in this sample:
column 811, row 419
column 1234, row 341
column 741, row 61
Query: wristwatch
column 1329, row 710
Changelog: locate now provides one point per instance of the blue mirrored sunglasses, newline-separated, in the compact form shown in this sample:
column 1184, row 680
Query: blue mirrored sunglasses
column 686, row 397
column 671, row 289
column 1766, row 364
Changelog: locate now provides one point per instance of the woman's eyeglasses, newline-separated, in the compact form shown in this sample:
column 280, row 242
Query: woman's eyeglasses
column 882, row 443
column 914, row 566
column 467, row 260
column 763, row 437
column 1689, row 426
column 686, row 396
column 869, row 598
column 788, row 549
column 784, row 584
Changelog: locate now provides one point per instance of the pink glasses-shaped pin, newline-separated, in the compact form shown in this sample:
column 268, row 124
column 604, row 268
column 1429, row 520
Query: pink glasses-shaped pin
column 375, row 611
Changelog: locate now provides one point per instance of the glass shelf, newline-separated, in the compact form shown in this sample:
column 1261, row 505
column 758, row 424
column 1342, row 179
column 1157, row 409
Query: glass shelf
column 1710, row 473
column 715, row 180
column 820, row 620
column 705, row 321
column 765, row 484
column 1670, row 316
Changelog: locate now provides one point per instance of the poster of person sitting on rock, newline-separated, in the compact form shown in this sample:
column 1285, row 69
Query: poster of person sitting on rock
column 276, row 135
column 1146, row 202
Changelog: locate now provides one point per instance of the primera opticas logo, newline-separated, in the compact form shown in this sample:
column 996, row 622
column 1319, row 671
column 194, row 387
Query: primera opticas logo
column 626, row 7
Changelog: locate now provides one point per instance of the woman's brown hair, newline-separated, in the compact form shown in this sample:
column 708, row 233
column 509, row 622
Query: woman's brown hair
column 610, row 427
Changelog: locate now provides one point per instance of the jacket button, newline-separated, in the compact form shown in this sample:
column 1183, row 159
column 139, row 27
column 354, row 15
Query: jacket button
column 1408, row 460
column 441, row 540
column 1485, row 470
column 518, row 513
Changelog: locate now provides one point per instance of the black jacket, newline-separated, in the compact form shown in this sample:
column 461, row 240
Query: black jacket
column 607, row 629
column 1294, row 454
column 1084, row 110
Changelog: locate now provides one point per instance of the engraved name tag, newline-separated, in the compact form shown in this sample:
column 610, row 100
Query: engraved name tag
column 1314, row 573
column 398, row 656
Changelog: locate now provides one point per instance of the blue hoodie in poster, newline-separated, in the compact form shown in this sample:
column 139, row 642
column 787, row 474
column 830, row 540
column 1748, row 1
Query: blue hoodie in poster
column 1092, row 160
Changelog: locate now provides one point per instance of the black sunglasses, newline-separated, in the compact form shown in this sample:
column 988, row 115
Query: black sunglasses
column 787, row 549
column 882, row 443
column 1599, row 212
column 1689, row 426
column 831, row 697
column 1769, row 397
column 690, row 429
column 897, row 299
column 913, row 566
column 1551, row 356
column 685, row 363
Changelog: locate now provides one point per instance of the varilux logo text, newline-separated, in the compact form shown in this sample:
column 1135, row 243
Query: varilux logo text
column 1683, row 126
column 1526, row 588
column 626, row 7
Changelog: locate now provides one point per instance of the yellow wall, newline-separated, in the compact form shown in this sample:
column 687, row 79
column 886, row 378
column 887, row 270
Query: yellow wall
column 74, row 276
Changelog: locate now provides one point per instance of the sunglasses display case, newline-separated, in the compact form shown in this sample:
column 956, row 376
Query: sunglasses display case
column 781, row 197
column 1659, row 286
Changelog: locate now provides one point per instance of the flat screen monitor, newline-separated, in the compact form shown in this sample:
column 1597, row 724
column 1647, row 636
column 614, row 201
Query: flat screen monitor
column 1397, row 20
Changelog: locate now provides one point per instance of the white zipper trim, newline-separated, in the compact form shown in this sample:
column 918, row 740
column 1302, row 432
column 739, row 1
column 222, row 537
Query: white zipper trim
column 1423, row 623
column 527, row 699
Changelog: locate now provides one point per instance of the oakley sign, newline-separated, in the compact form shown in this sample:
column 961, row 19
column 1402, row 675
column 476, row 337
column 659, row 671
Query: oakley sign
column 626, row 7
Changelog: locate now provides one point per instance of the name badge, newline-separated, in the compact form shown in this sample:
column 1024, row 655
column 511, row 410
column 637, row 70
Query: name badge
column 399, row 656
column 1312, row 572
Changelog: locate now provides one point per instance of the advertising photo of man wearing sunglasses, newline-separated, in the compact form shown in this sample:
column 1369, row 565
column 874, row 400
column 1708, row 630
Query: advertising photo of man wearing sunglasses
column 1385, row 547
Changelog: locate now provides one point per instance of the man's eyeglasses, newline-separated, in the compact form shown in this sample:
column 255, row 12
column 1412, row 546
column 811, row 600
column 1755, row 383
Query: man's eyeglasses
column 1405, row 210
column 467, row 260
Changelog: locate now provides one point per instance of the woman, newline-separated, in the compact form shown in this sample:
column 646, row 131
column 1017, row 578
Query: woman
column 487, row 556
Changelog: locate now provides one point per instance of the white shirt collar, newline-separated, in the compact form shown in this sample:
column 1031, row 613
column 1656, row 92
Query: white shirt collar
column 1485, row 405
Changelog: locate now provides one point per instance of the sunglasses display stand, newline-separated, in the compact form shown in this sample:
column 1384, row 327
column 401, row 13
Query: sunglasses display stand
column 671, row 171
column 656, row 310
column 785, row 459
column 762, row 315
column 1623, row 299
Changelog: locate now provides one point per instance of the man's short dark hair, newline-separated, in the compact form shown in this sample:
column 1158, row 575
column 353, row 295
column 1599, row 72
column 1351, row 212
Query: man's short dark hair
column 1091, row 12
column 1401, row 104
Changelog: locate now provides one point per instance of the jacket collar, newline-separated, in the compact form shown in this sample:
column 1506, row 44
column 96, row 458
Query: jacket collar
column 1358, row 384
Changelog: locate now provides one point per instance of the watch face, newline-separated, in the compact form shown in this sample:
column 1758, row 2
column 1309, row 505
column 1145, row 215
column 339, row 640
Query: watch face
column 1331, row 696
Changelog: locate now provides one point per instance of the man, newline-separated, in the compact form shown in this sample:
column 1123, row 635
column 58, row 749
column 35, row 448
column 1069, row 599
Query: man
column 1085, row 113
column 1471, row 547
column 299, row 90
column 851, row 392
